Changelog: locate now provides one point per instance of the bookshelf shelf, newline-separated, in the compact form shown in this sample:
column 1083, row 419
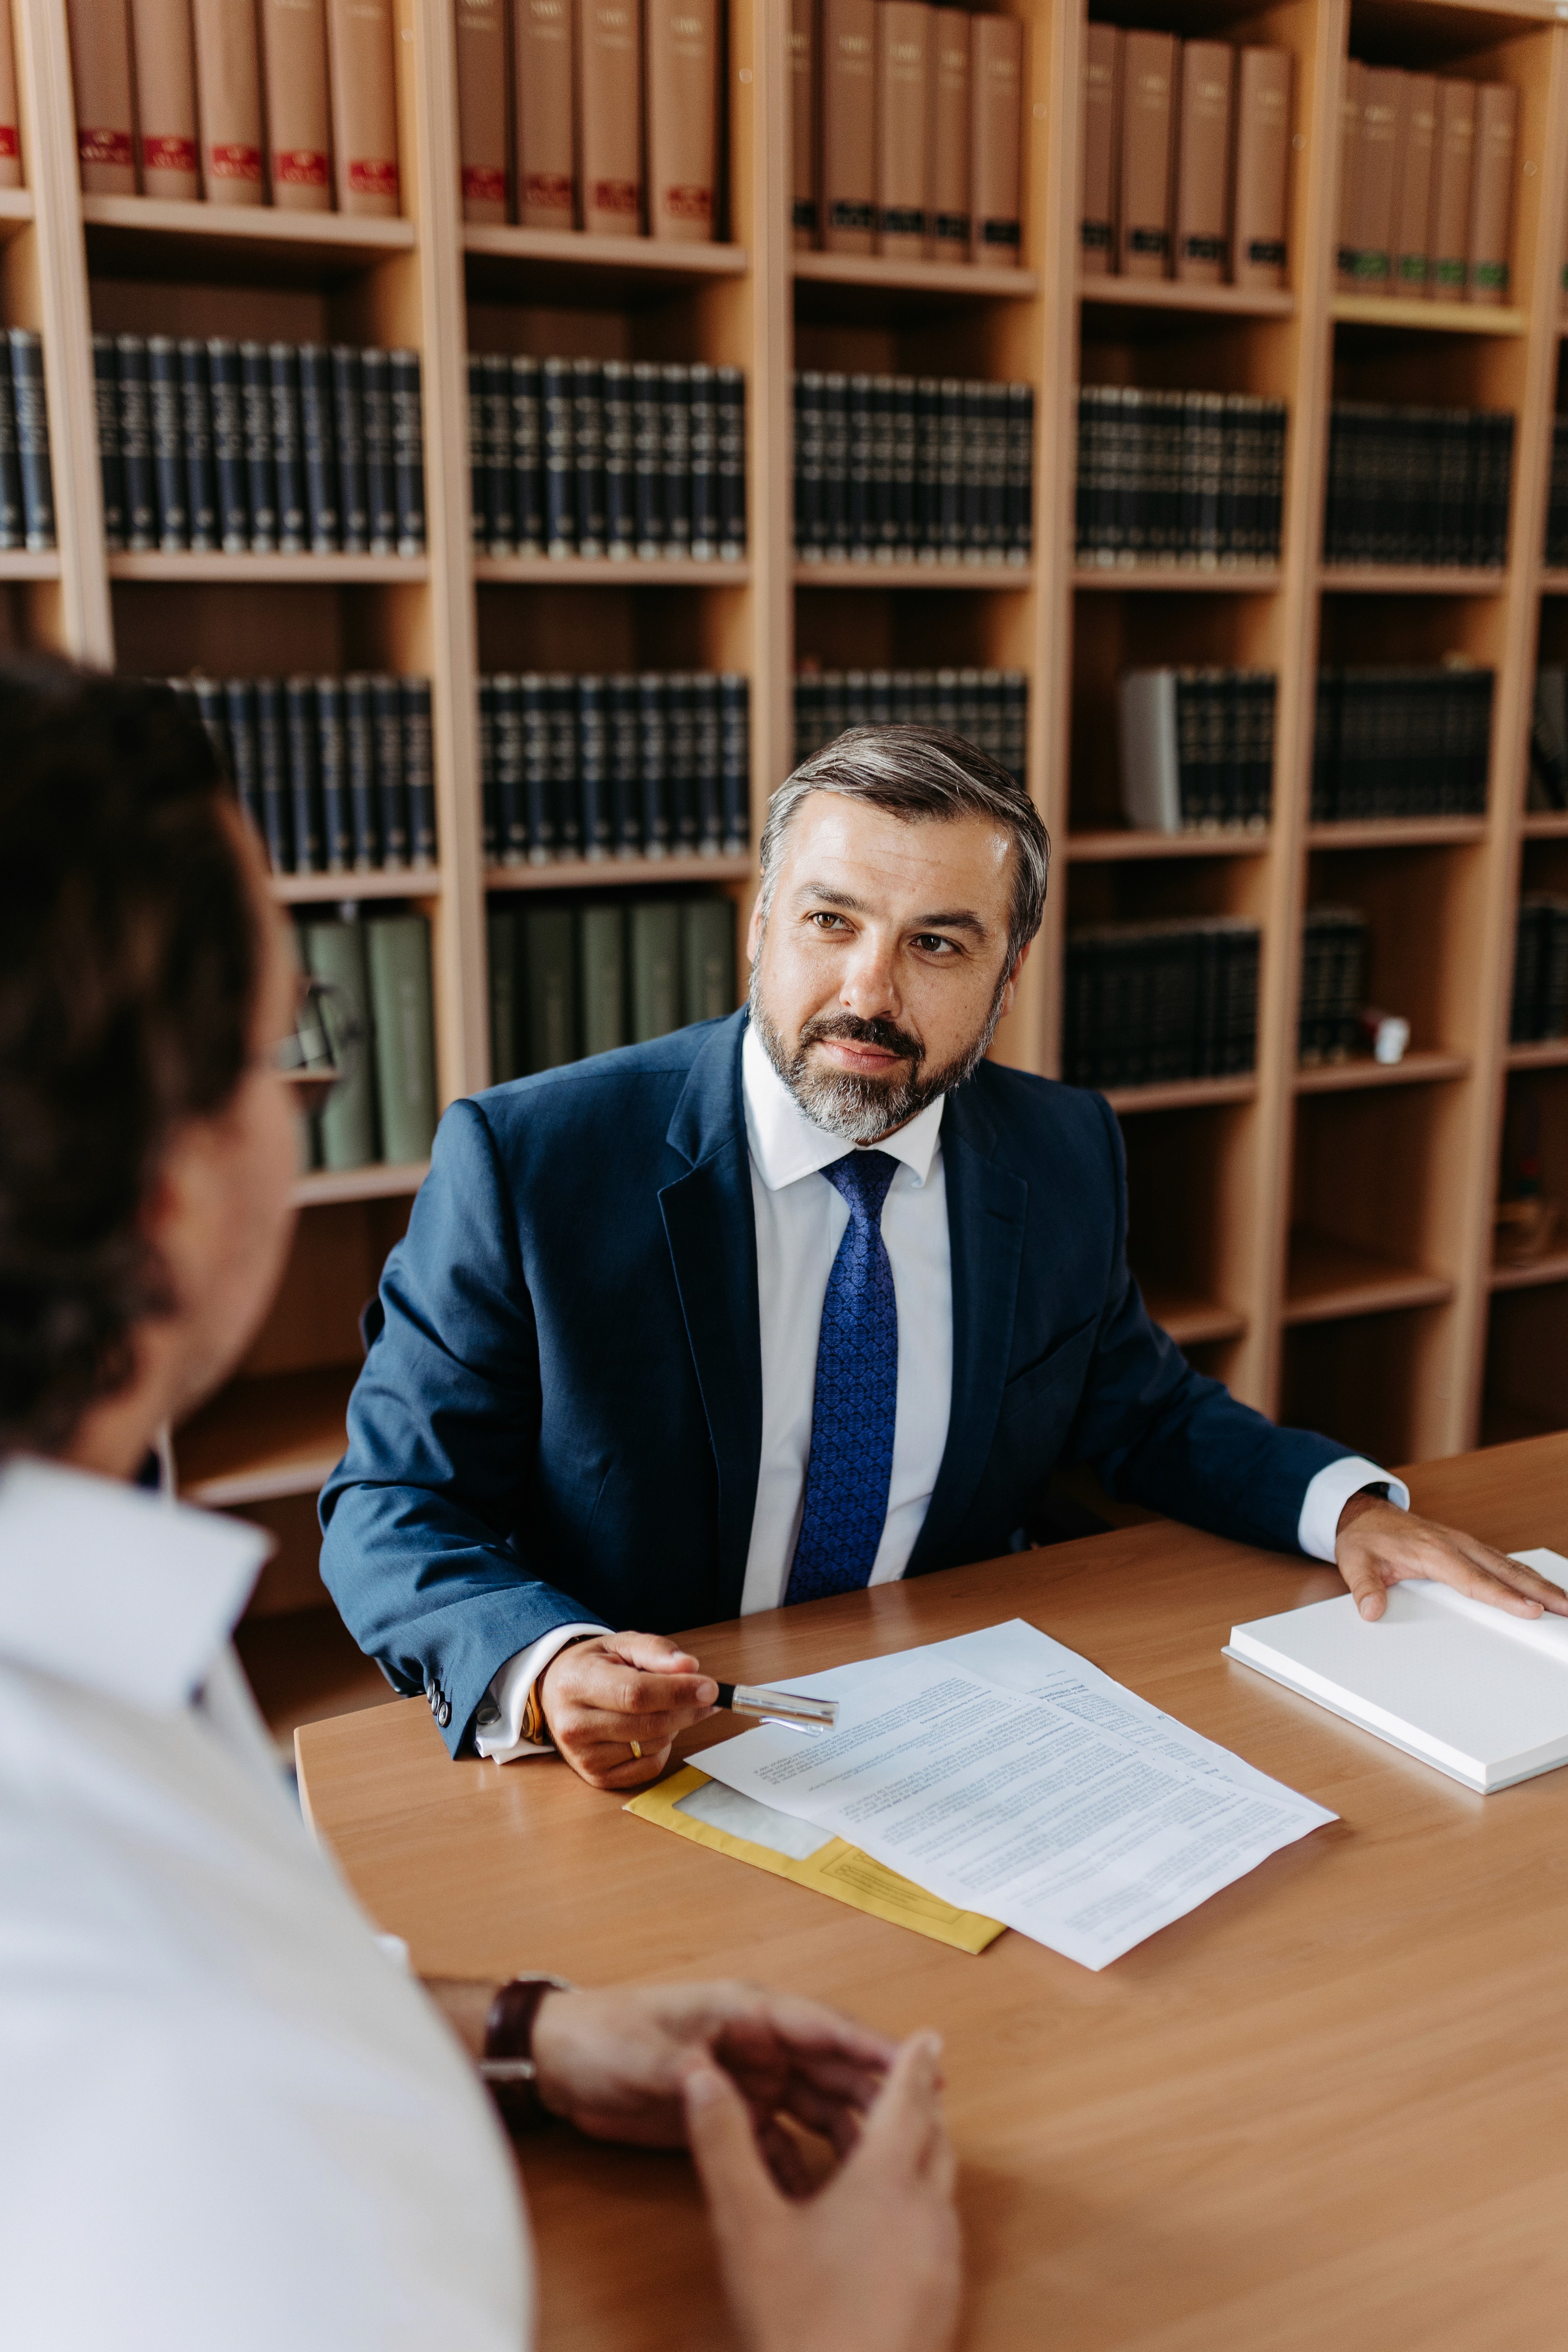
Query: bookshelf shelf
column 30, row 563
column 622, row 271
column 137, row 236
column 1408, row 580
column 382, row 1182
column 1429, row 318
column 281, row 571
column 1426, row 1069
column 614, row 873
column 1009, row 579
column 1107, row 848
column 260, row 1439
column 587, row 571
column 1330, row 1279
column 1395, row 832
column 1193, row 1321
column 1553, row 582
column 1168, row 579
column 1167, row 294
column 1551, row 1053
column 1183, row 1094
column 869, row 272
column 315, row 890
column 1546, row 825
column 1552, row 1266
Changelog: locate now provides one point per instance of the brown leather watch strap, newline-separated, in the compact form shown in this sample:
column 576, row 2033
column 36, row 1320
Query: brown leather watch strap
column 507, row 2066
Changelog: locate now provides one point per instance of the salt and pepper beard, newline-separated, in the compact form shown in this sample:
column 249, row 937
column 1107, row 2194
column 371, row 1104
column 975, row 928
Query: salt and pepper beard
column 853, row 1104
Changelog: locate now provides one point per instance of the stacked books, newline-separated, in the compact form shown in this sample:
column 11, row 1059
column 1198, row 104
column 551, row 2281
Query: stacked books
column 584, row 458
column 1184, row 158
column 1188, row 478
column 259, row 448
column 1149, row 1004
column 1557, row 494
column 386, row 1109
column 905, row 130
column 988, row 707
column 1540, row 969
column 650, row 767
column 569, row 981
column 1335, row 945
column 902, row 468
column 1401, row 742
column 1426, row 170
column 337, row 774
column 286, row 102
column 1417, row 486
column 1197, row 749
column 612, row 130
column 1549, row 740
column 27, row 483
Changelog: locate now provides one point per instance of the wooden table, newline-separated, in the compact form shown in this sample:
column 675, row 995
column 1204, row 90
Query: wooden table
column 1327, row 2110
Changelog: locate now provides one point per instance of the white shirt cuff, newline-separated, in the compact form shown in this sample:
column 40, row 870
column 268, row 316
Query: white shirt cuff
column 498, row 1727
column 1329, row 1493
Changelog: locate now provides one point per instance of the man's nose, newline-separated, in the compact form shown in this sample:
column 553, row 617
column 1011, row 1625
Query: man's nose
column 869, row 986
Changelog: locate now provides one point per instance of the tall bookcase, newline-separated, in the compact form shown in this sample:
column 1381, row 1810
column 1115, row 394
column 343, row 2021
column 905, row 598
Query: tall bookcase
column 1321, row 1239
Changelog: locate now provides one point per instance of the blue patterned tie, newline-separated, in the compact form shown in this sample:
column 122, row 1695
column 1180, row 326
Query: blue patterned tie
column 857, row 1398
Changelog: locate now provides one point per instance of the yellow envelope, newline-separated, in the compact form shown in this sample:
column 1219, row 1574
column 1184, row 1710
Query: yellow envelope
column 839, row 1870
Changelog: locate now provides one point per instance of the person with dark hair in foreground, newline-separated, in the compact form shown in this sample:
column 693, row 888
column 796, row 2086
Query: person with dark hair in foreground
column 786, row 1304
column 230, row 2118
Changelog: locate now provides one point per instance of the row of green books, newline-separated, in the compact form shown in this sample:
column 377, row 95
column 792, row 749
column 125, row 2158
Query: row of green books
column 568, row 981
column 387, row 1108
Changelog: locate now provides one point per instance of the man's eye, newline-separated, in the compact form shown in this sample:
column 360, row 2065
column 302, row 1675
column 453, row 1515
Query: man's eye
column 827, row 921
column 932, row 943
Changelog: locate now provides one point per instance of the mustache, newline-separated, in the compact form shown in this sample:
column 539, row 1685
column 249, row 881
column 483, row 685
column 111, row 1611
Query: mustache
column 848, row 1029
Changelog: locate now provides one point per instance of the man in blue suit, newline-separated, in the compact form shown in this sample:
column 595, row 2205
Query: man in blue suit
column 786, row 1304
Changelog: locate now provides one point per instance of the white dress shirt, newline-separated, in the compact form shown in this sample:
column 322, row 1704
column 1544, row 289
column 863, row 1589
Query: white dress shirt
column 800, row 1222
column 230, row 2120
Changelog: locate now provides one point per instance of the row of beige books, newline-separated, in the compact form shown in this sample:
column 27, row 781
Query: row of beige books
column 1426, row 194
column 1185, row 151
column 906, row 131
column 283, row 102
column 599, row 115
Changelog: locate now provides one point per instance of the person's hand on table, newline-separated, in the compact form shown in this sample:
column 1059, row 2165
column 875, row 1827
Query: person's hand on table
column 1378, row 1545
column 608, row 1698
column 871, row 2263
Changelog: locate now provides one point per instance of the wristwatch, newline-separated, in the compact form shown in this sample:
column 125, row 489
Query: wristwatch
column 507, row 2067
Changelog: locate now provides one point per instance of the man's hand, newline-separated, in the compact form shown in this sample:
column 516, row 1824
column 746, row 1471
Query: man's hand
column 1378, row 1545
column 616, row 2062
column 871, row 2263
column 599, row 1696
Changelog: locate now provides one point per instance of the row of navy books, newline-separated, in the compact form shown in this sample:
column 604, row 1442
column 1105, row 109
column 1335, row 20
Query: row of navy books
column 570, row 981
column 988, row 707
column 1335, row 947
column 607, row 457
column 1557, row 494
column 1197, row 749
column 651, row 766
column 912, row 469
column 1401, row 742
column 1540, row 1008
column 259, row 448
column 1186, row 477
column 1417, row 486
column 379, row 964
column 27, row 484
column 336, row 774
column 1151, row 1003
column 1549, row 738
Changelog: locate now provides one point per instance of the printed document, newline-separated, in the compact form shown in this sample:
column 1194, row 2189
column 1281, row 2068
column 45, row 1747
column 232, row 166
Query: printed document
column 1008, row 1775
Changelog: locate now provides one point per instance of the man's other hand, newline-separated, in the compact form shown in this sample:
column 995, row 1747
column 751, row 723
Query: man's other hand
column 605, row 1698
column 1378, row 1545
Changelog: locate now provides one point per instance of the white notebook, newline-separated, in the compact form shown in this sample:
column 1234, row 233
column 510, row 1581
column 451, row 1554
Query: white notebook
column 1481, row 1696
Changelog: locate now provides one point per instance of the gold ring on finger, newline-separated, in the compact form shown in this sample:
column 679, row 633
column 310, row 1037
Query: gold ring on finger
column 635, row 1749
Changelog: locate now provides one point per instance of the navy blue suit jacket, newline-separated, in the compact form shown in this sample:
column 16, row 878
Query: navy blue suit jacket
column 561, row 1415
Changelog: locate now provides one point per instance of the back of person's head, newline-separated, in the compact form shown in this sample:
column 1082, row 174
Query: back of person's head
column 129, row 970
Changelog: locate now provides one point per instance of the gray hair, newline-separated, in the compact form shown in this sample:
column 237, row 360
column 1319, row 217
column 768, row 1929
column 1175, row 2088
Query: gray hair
column 918, row 772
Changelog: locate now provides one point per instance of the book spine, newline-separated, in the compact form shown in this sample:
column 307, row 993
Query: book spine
column 397, row 960
column 602, row 973
column 948, row 221
column 858, row 502
column 360, row 41
column 1020, row 509
column 734, row 763
column 560, row 462
column 499, row 510
column 358, row 755
column 407, row 450
column 595, row 813
column 1203, row 212
column 243, row 751
column 506, row 756
column 675, row 480
column 1098, row 152
column 560, row 722
column 197, row 432
column 609, row 48
column 501, row 948
column 333, row 767
column 550, row 987
column 418, row 768
column 1382, row 116
column 1496, row 116
column 546, row 162
column 1148, row 66
column 588, row 456
column 32, row 438
column 527, row 452
column 620, row 508
column 348, row 431
column 805, row 472
column 903, row 114
column 648, row 459
column 906, row 545
column 847, row 132
column 654, row 954
column 682, row 94
column 478, row 500
column 111, row 462
column 380, row 466
column 304, row 791
column 996, row 98
column 298, row 108
column 680, row 761
column 166, row 99
column 489, row 800
column 1259, row 250
column 288, row 452
column 884, row 519
column 652, row 770
column 10, row 114
column 538, row 805
column 1413, row 206
column 273, row 771
column 228, row 86
column 168, row 446
column 1448, row 235
column 624, row 777
column 334, row 952
column 1348, row 232
column 803, row 62
column 481, row 108
column 708, row 958
column 704, row 457
column 391, row 791
column 105, row 109
column 323, row 519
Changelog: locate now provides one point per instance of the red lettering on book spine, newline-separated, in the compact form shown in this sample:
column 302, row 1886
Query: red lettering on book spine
column 104, row 146
column 234, row 161
column 9, row 142
column 300, row 167
column 615, row 195
column 168, row 155
column 689, row 203
column 373, row 175
column 484, row 183
column 548, row 188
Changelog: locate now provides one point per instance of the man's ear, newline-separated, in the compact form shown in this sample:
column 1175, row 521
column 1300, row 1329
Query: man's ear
column 1011, row 990
column 754, row 930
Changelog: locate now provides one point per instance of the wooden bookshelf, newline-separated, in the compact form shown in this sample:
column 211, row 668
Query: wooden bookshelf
column 1429, row 318
column 1100, row 848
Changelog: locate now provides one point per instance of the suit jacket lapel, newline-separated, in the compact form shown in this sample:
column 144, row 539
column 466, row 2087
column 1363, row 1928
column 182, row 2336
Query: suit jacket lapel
column 709, row 1224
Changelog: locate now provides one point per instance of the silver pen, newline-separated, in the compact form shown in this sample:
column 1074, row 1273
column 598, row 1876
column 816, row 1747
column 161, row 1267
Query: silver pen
column 786, row 1706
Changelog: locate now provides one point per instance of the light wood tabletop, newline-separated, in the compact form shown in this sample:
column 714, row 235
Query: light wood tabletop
column 1328, row 2109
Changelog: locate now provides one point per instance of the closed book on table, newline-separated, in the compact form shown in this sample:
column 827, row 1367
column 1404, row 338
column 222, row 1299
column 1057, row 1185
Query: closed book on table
column 298, row 104
column 481, row 108
column 654, row 954
column 1098, row 156
column 995, row 138
column 548, row 990
column 947, row 187
column 1150, row 751
column 1202, row 168
column 1262, row 160
column 1413, row 186
column 1382, row 116
column 706, row 959
column 849, row 133
column 228, row 86
column 364, row 106
column 602, row 977
column 802, row 65
column 682, row 98
column 542, row 64
column 609, row 141
column 397, row 962
column 105, row 109
column 334, row 951
column 10, row 117
column 165, row 98
column 903, row 111
column 1348, row 229
column 1491, row 204
column 1453, row 174
column 1143, row 228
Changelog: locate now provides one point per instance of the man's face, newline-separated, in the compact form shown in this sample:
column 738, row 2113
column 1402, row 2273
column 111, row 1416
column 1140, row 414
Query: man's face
column 881, row 969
